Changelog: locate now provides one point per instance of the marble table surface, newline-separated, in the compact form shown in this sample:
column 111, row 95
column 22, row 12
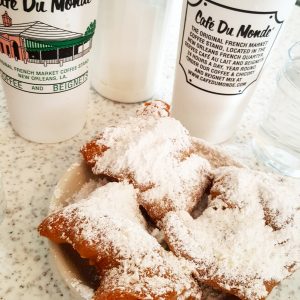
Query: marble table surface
column 30, row 172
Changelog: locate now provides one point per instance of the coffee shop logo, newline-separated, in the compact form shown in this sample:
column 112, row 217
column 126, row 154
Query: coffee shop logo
column 43, row 6
column 223, row 49
column 40, row 43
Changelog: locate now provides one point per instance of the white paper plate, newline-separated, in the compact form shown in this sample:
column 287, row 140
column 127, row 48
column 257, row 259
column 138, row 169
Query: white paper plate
column 70, row 184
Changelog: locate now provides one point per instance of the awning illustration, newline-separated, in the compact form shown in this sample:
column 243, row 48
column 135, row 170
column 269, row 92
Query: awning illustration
column 38, row 42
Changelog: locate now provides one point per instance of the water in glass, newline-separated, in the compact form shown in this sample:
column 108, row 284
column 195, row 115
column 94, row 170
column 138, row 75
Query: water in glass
column 277, row 141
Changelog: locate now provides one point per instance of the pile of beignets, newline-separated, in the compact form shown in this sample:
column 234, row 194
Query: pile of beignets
column 242, row 242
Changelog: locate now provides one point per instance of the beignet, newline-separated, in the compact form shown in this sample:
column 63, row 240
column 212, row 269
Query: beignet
column 247, row 240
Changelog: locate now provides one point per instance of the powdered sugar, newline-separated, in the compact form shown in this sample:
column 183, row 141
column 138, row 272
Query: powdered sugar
column 155, row 108
column 231, row 242
column 216, row 155
column 248, row 235
column 140, row 145
column 109, row 227
column 154, row 154
column 110, row 208
column 281, row 202
column 168, row 275
column 114, row 200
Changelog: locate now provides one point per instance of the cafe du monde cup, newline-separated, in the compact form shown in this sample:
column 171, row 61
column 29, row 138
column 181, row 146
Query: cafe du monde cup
column 45, row 49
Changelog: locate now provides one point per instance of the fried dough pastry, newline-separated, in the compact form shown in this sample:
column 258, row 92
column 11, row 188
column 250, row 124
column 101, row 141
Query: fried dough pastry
column 247, row 239
column 108, row 229
column 154, row 275
column 155, row 108
column 88, row 224
column 155, row 153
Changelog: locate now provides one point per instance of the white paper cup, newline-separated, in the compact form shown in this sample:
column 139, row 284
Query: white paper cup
column 44, row 62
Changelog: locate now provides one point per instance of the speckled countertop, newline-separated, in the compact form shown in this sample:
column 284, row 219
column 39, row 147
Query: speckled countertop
column 31, row 171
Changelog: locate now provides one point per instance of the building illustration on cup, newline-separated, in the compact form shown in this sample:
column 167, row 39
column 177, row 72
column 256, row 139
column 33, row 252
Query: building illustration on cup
column 41, row 43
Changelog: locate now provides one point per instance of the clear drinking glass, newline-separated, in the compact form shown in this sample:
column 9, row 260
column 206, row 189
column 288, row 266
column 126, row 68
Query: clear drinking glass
column 277, row 141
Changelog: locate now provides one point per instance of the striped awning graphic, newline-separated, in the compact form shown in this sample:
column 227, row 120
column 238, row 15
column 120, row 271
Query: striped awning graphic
column 39, row 36
column 38, row 31
column 42, row 31
column 32, row 45
column 15, row 29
